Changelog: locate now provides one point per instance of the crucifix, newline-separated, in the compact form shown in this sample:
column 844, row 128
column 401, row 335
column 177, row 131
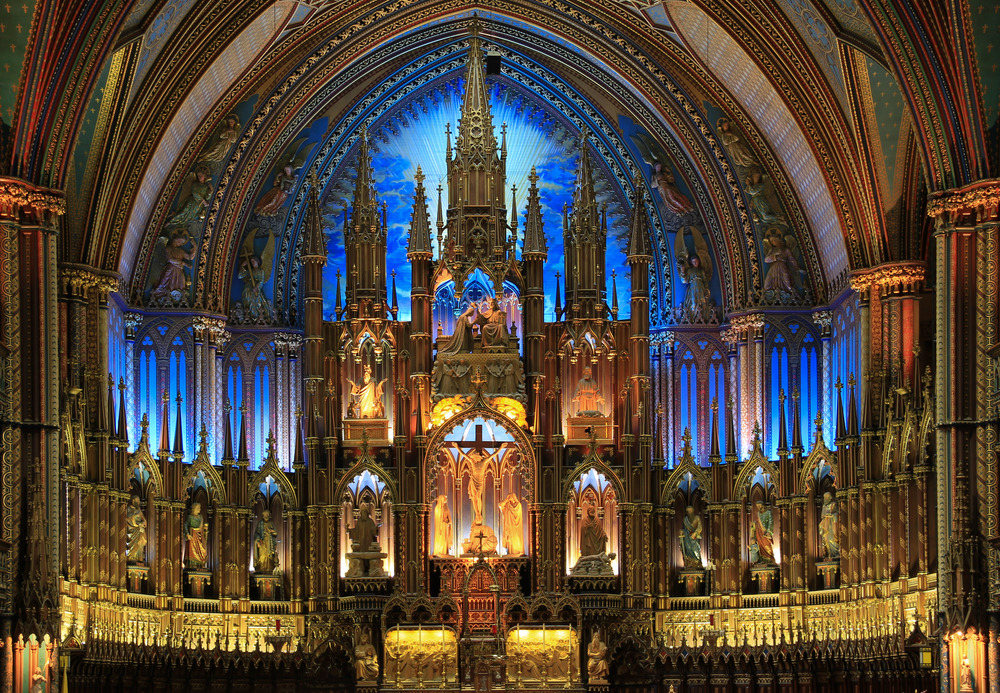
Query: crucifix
column 478, row 462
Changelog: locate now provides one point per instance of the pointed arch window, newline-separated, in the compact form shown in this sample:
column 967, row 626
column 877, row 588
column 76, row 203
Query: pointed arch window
column 717, row 394
column 178, row 385
column 261, row 408
column 778, row 378
column 234, row 393
column 687, row 390
column 809, row 389
column 148, row 390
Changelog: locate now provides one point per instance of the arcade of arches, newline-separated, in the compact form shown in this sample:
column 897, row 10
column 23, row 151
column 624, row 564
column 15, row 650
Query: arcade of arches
column 640, row 345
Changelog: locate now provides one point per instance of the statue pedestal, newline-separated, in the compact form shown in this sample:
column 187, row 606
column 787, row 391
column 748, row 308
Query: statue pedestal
column 692, row 579
column 199, row 580
column 481, row 542
column 355, row 429
column 766, row 576
column 502, row 371
column 577, row 433
column 277, row 642
column 828, row 569
column 365, row 564
column 268, row 585
column 137, row 574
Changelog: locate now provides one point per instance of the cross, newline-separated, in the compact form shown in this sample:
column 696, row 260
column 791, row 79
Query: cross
column 478, row 380
column 481, row 536
column 479, row 443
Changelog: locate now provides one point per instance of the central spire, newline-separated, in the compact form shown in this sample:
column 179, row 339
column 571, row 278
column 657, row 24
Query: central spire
column 475, row 126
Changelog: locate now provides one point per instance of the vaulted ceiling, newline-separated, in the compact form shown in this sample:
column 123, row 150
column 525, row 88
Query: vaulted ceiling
column 828, row 119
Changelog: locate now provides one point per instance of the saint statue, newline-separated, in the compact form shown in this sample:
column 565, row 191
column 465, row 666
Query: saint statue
column 196, row 531
column 695, row 270
column 965, row 677
column 135, row 530
column 366, row 398
column 597, row 660
column 587, row 396
column 739, row 152
column 593, row 538
column 194, row 197
column 364, row 536
column 674, row 200
column 227, row 136
column 828, row 526
column 274, row 199
column 762, row 539
column 512, row 536
column 255, row 271
column 461, row 341
column 265, row 545
column 173, row 279
column 442, row 527
column 493, row 322
column 365, row 659
column 783, row 267
column 691, row 539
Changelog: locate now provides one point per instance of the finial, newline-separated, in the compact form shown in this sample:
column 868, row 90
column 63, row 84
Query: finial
column 203, row 439
column 419, row 175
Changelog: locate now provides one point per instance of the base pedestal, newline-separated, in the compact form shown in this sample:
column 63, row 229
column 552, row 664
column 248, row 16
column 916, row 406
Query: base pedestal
column 481, row 542
column 355, row 430
column 576, row 429
column 199, row 580
column 267, row 585
column 365, row 564
column 828, row 569
column 693, row 580
column 766, row 577
column 137, row 574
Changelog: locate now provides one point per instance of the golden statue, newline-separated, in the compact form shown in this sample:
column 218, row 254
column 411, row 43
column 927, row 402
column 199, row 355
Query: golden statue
column 265, row 545
column 512, row 536
column 366, row 398
column 482, row 539
column 135, row 530
column 195, row 531
column 493, row 324
column 365, row 659
column 587, row 397
column 442, row 527
column 597, row 661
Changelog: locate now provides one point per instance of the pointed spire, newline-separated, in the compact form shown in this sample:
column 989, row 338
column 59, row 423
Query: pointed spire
column 179, row 429
column 559, row 308
column 534, row 234
column 638, row 237
column 227, row 433
column 614, row 295
column 395, row 299
column 203, row 441
column 852, row 408
column 627, row 423
column 165, row 424
column 732, row 453
column 420, row 221
column 110, row 411
column 841, row 426
column 713, row 453
column 243, row 457
column 513, row 210
column 475, row 125
column 122, row 415
column 440, row 223
column 339, row 306
column 782, row 426
column 796, row 423
column 299, row 453
column 585, row 218
column 315, row 240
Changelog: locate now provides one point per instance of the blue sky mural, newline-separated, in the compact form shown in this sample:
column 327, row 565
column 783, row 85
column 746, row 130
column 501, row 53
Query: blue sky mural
column 415, row 135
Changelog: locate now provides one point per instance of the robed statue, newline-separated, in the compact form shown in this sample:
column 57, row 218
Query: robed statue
column 493, row 324
column 196, row 534
column 366, row 397
column 135, row 530
column 762, row 535
column 512, row 536
column 365, row 659
column 691, row 539
column 597, row 660
column 828, row 526
column 594, row 557
column 265, row 545
column 695, row 270
column 587, row 398
column 442, row 527
column 461, row 342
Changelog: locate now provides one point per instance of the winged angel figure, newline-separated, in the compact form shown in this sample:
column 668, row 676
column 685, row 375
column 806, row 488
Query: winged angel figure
column 695, row 270
column 293, row 159
column 255, row 270
column 663, row 178
column 783, row 279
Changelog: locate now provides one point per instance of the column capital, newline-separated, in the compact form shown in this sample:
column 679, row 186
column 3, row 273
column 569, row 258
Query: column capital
column 972, row 204
column 890, row 278
column 28, row 202
column 747, row 325
column 77, row 280
column 210, row 329
column 824, row 321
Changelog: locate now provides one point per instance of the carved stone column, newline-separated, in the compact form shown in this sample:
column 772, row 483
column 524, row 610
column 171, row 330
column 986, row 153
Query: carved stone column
column 968, row 306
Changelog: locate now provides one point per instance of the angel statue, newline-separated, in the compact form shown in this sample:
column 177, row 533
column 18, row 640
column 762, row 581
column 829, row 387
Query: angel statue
column 732, row 140
column 662, row 177
column 782, row 279
column 173, row 279
column 226, row 138
column 255, row 270
column 695, row 270
column 284, row 181
column 193, row 200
